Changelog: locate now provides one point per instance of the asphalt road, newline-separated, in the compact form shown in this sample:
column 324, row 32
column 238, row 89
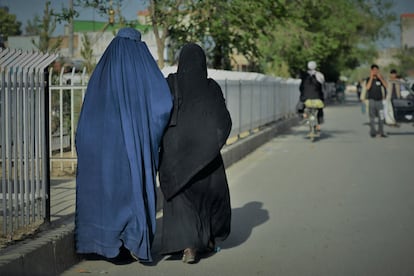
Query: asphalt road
column 343, row 205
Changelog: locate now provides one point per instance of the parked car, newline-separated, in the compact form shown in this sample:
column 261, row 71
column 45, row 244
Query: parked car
column 404, row 107
column 69, row 72
column 75, row 78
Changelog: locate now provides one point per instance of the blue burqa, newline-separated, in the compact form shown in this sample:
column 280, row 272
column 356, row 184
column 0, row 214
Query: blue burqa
column 126, row 108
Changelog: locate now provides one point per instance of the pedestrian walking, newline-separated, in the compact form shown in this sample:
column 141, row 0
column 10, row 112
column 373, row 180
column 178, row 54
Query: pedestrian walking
column 125, row 111
column 196, row 209
column 393, row 92
column 359, row 90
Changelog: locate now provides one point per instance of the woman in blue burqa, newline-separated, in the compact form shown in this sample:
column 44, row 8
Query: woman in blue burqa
column 125, row 111
column 196, row 207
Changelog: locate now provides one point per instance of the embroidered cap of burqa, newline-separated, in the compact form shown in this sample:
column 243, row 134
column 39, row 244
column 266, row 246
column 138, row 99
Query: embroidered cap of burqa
column 200, row 122
column 126, row 108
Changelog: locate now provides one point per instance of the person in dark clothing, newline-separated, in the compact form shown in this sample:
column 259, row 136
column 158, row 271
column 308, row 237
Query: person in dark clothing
column 375, row 87
column 359, row 90
column 196, row 207
column 311, row 89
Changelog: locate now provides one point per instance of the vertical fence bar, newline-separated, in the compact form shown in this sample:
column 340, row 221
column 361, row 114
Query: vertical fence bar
column 72, row 125
column 240, row 108
column 46, row 149
column 9, row 143
column 61, row 126
column 27, row 98
column 15, row 146
column 3, row 144
column 44, row 92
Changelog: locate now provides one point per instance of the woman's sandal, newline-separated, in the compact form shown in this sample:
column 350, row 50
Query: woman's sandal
column 189, row 256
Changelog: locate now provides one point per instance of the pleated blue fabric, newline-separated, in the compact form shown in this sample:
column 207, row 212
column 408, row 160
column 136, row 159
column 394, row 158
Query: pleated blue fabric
column 125, row 111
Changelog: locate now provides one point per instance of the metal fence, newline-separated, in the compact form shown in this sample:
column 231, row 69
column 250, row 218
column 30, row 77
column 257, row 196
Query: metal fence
column 256, row 103
column 251, row 103
column 66, row 91
column 24, row 189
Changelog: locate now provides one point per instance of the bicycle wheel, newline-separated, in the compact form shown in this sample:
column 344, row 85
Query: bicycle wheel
column 312, row 125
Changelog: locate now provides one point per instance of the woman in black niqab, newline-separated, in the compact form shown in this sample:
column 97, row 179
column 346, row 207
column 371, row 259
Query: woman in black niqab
column 192, row 176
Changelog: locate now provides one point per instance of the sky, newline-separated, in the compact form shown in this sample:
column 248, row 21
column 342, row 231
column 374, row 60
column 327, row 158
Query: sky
column 26, row 9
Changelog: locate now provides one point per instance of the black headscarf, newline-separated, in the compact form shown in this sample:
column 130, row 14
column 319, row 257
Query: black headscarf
column 199, row 126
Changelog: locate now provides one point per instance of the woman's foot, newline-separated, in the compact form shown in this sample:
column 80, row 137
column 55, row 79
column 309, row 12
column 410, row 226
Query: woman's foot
column 211, row 247
column 189, row 256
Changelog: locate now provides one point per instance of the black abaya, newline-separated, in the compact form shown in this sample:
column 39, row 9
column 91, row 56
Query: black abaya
column 192, row 176
column 200, row 213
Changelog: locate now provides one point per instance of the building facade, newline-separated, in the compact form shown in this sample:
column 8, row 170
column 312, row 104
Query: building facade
column 407, row 30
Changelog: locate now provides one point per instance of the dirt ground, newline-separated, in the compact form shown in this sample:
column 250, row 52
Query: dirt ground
column 20, row 234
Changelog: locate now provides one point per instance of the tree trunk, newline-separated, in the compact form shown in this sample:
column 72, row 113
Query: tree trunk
column 159, row 38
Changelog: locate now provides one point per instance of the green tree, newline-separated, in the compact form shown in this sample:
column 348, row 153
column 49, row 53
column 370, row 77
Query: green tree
column 87, row 54
column 406, row 61
column 8, row 24
column 45, row 27
column 276, row 36
column 110, row 8
column 32, row 26
column 226, row 28
column 164, row 15
column 337, row 34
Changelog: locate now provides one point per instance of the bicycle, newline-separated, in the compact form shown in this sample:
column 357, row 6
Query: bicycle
column 312, row 120
column 311, row 111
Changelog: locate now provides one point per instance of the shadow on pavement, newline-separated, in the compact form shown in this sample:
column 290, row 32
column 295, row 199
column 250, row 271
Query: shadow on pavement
column 244, row 219
column 399, row 133
column 241, row 231
column 325, row 133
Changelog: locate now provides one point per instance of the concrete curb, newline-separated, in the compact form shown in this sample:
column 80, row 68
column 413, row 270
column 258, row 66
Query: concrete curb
column 50, row 253
column 53, row 251
column 234, row 152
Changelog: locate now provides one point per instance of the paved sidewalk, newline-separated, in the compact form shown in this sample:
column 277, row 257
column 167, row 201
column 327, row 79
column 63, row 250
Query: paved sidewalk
column 62, row 196
column 52, row 251
column 340, row 206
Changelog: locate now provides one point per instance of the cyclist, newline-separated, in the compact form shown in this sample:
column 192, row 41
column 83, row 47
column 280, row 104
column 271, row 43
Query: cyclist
column 311, row 92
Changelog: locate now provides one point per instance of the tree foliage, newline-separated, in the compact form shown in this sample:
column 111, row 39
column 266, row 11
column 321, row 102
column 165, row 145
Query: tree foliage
column 107, row 8
column 44, row 27
column 276, row 36
column 32, row 26
column 226, row 28
column 87, row 54
column 164, row 15
column 279, row 37
column 8, row 24
column 336, row 34
column 406, row 61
